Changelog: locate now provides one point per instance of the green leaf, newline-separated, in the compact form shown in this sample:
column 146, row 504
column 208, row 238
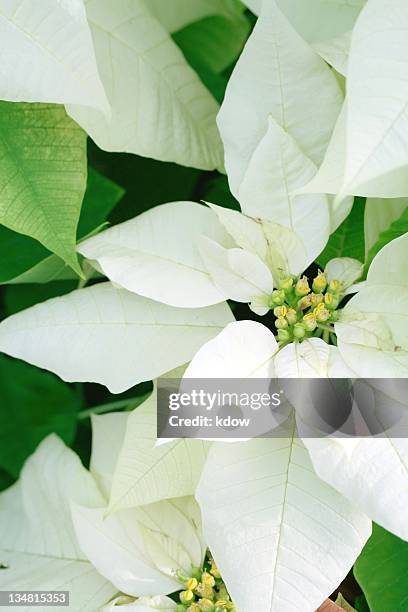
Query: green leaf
column 217, row 192
column 348, row 239
column 5, row 480
column 213, row 42
column 42, row 175
column 20, row 297
column 24, row 260
column 33, row 404
column 211, row 45
column 381, row 570
column 396, row 229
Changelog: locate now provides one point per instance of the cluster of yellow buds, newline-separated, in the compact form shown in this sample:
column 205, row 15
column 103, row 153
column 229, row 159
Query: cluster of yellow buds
column 302, row 310
column 204, row 590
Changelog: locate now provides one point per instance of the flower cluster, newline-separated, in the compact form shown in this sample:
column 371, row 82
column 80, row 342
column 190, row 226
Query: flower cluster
column 204, row 590
column 302, row 312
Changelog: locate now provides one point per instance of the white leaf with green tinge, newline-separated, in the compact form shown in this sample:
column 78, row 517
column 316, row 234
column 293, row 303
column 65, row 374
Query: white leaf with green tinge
column 146, row 472
column 110, row 336
column 160, row 108
column 372, row 332
column 47, row 54
column 266, row 78
column 280, row 536
column 38, row 541
column 156, row 254
column 239, row 274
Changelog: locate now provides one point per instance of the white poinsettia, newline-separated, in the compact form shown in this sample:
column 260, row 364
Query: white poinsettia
column 334, row 18
column 372, row 331
column 39, row 547
column 111, row 64
column 55, row 516
column 367, row 155
column 146, row 75
column 52, row 63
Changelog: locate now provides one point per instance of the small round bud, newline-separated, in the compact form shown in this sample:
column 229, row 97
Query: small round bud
column 331, row 301
column 283, row 335
column 305, row 302
column 291, row 316
column 280, row 311
column 186, row 596
column 319, row 282
column 316, row 298
column 278, row 297
column 193, row 608
column 281, row 323
column 309, row 321
column 334, row 286
column 191, row 584
column 302, row 286
column 299, row 331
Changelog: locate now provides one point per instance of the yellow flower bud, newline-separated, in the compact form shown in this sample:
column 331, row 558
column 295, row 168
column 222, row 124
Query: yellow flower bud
column 206, row 605
column 205, row 591
column 302, row 286
column 207, row 579
column 331, row 301
column 186, row 596
column 309, row 321
column 286, row 284
column 191, row 584
column 277, row 297
column 280, row 311
column 316, row 298
column 319, row 282
column 281, row 323
column 322, row 315
column 291, row 316
column 193, row 608
column 334, row 286
column 305, row 302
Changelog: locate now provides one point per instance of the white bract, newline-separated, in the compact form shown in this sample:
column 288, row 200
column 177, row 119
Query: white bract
column 373, row 329
column 112, row 64
column 48, row 55
column 110, row 336
column 55, row 517
column 160, row 108
column 369, row 149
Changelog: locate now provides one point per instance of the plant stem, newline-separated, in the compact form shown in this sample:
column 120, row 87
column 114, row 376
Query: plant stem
column 328, row 328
